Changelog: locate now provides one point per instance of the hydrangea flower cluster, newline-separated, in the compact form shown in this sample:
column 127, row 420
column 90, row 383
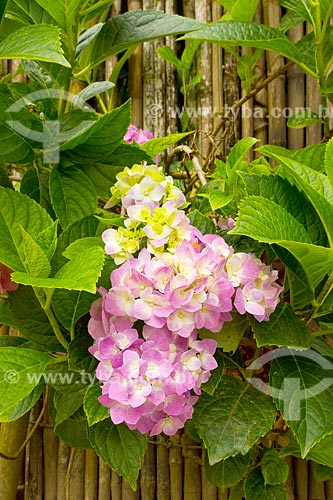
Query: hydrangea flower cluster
column 179, row 282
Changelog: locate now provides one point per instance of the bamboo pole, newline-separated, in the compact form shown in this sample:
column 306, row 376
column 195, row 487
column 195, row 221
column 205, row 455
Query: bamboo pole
column 223, row 494
column 296, row 92
column 116, row 486
column 12, row 436
column 110, row 63
column 90, row 475
column 316, row 488
column 217, row 78
column 50, row 453
column 148, row 474
column 247, row 114
column 301, row 479
column 260, row 123
column 209, row 491
column 204, row 90
column 176, row 468
column 34, row 485
column 104, row 481
column 75, row 475
column 314, row 131
column 151, row 109
column 62, row 464
column 192, row 466
column 135, row 84
column 162, row 470
column 190, row 100
column 171, row 91
column 276, row 89
column 329, row 489
column 128, row 493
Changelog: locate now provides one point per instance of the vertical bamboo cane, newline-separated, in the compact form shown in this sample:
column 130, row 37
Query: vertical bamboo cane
column 301, row 479
column 159, row 82
column 313, row 132
column 128, row 493
column 316, row 488
column 148, row 474
column 171, row 93
column 34, row 487
column 50, row 449
column 247, row 114
column 104, row 484
column 295, row 93
column 116, row 486
column 217, row 78
column 276, row 89
column 176, row 468
column 192, row 472
column 90, row 475
column 204, row 90
column 162, row 471
column 62, row 464
column 223, row 494
column 135, row 67
column 12, row 436
column 329, row 489
column 191, row 98
column 76, row 475
column 111, row 61
column 260, row 100
column 209, row 491
column 151, row 109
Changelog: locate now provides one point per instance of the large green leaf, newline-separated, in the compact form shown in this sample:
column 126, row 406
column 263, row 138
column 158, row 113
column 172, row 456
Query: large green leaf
column 240, row 10
column 233, row 419
column 73, row 195
column 227, row 472
column 66, row 403
column 71, row 305
column 133, row 28
column 123, row 450
column 24, row 12
column 38, row 42
column 31, row 320
column 74, row 275
column 33, row 256
column 80, row 360
column 273, row 468
column 321, row 452
column 93, row 409
column 301, row 385
column 16, row 211
column 256, row 489
column 154, row 147
column 329, row 161
column 256, row 35
column 63, row 12
column 284, row 328
column 17, row 368
column 23, row 406
column 278, row 226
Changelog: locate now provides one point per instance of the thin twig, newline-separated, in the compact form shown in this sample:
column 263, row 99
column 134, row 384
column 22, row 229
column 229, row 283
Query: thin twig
column 196, row 164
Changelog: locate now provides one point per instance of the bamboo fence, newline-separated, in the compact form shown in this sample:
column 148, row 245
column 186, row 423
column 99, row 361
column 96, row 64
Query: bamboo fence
column 172, row 468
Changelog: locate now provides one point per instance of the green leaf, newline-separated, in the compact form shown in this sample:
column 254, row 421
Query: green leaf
column 273, row 468
column 233, row 419
column 24, row 405
column 17, row 368
column 200, row 221
column 154, row 147
column 329, row 160
column 224, row 362
column 82, row 245
column 227, row 472
column 73, row 195
column 67, row 403
column 31, row 320
column 303, row 118
column 47, row 239
column 33, row 256
column 123, row 450
column 74, row 275
column 91, row 91
column 104, row 176
column 219, row 199
column 18, row 210
column 64, row 12
column 93, row 409
column 132, row 28
column 70, row 305
column 301, row 385
column 80, row 360
column 322, row 472
column 104, row 136
column 241, row 10
column 6, row 317
column 256, row 35
column 284, row 328
column 74, row 431
column 231, row 334
column 256, row 489
column 239, row 150
column 38, row 42
column 321, row 452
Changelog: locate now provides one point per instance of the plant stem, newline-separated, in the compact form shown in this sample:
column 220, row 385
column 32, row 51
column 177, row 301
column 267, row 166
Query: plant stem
column 321, row 297
column 44, row 297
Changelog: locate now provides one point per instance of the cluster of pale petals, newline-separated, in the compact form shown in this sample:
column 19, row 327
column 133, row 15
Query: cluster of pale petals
column 181, row 282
